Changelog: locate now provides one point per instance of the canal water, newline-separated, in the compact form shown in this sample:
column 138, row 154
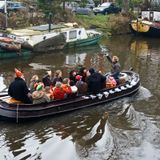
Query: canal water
column 130, row 130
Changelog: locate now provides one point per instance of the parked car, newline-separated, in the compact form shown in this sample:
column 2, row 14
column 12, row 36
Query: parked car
column 70, row 5
column 75, row 5
column 106, row 8
column 15, row 6
column 11, row 6
column 2, row 6
column 83, row 11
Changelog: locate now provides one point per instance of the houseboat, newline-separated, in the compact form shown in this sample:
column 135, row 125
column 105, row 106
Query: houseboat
column 148, row 24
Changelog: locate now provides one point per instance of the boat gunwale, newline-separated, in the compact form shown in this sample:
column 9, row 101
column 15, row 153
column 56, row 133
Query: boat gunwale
column 30, row 117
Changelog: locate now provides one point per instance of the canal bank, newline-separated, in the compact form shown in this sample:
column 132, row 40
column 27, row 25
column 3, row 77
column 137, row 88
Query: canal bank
column 111, row 24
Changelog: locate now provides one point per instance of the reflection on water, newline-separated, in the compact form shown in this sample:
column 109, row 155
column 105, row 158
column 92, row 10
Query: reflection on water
column 146, row 59
column 130, row 132
column 65, row 61
column 88, row 134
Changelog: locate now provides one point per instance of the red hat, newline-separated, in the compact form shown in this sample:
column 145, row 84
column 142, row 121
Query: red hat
column 18, row 73
column 78, row 77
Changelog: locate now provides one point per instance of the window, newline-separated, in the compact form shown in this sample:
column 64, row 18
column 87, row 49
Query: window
column 72, row 34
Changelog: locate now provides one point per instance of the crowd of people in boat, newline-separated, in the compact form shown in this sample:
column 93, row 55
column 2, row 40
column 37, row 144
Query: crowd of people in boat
column 56, row 87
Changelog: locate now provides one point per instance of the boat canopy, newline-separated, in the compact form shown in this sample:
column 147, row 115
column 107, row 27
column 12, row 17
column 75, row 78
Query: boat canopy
column 25, row 32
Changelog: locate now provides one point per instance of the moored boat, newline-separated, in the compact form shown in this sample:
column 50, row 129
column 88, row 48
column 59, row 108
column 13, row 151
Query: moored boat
column 9, row 44
column 10, row 47
column 14, row 54
column 17, row 112
column 70, row 35
column 147, row 25
column 38, row 38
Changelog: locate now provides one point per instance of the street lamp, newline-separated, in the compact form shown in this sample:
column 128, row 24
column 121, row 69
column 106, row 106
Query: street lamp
column 50, row 21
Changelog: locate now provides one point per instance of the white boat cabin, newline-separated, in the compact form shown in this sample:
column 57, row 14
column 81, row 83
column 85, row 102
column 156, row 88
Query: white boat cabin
column 151, row 15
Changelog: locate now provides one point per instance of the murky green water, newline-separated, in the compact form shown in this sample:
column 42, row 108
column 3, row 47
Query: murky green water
column 131, row 132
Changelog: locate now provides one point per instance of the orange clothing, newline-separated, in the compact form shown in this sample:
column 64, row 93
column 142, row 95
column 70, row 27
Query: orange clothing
column 111, row 83
column 66, row 88
column 58, row 93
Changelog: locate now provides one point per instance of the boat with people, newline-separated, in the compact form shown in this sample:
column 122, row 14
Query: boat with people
column 56, row 36
column 18, row 112
column 148, row 24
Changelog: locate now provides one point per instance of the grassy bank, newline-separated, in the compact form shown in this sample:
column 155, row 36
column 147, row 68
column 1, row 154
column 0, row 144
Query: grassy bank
column 110, row 24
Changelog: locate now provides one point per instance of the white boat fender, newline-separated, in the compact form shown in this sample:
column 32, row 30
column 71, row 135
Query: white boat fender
column 74, row 89
column 124, row 76
column 93, row 96
column 117, row 89
column 85, row 97
column 128, row 86
column 111, row 91
column 99, row 96
column 106, row 94
column 133, row 83
column 123, row 88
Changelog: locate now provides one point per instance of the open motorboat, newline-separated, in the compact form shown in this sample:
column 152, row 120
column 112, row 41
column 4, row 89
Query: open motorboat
column 17, row 111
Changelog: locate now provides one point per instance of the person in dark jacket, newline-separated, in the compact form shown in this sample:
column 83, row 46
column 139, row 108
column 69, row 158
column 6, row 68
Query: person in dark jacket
column 83, row 73
column 95, row 81
column 48, row 79
column 18, row 88
column 57, row 77
column 72, row 77
column 81, row 85
column 115, row 66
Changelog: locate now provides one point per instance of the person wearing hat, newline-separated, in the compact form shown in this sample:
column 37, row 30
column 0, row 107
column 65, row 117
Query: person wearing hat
column 18, row 88
column 116, row 67
column 96, row 81
column 39, row 96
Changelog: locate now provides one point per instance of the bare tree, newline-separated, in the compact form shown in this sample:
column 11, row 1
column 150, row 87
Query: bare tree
column 147, row 4
column 125, row 6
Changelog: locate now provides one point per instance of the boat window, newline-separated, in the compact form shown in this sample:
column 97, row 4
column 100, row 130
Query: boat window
column 72, row 34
